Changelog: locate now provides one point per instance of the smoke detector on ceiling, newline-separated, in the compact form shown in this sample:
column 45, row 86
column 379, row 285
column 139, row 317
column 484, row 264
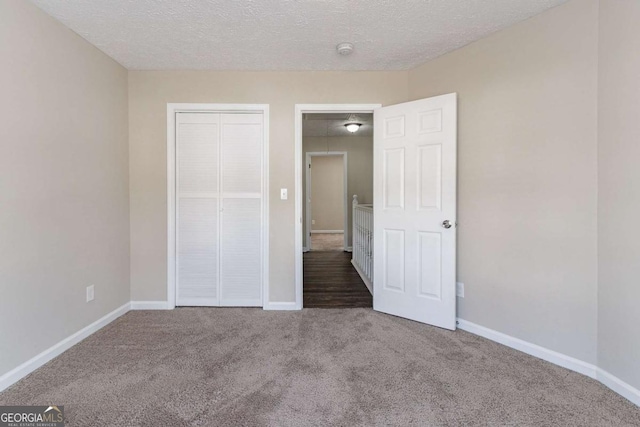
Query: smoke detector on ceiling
column 345, row 48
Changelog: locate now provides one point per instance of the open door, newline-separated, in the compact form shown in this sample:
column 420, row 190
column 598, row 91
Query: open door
column 415, row 210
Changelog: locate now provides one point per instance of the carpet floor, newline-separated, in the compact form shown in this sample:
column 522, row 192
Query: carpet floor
column 353, row 367
column 327, row 242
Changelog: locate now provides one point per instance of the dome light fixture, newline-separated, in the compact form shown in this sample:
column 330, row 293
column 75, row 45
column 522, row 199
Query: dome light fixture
column 353, row 127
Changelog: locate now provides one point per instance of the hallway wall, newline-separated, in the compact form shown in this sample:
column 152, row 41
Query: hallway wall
column 360, row 167
column 327, row 193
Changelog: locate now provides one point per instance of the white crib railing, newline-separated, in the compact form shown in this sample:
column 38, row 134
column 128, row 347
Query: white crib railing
column 362, row 257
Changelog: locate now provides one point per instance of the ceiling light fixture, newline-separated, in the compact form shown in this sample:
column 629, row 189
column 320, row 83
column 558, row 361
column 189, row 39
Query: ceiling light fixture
column 353, row 127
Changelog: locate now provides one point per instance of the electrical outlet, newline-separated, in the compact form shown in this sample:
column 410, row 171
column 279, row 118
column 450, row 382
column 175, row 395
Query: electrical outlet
column 313, row 222
column 90, row 293
column 460, row 289
column 284, row 194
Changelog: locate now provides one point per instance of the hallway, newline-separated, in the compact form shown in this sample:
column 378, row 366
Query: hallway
column 330, row 281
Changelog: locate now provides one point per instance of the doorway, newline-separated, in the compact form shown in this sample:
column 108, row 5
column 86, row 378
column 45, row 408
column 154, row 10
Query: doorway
column 406, row 238
column 326, row 197
column 337, row 153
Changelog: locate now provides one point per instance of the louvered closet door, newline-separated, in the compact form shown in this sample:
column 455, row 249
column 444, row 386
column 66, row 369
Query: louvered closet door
column 242, row 205
column 198, row 206
column 220, row 206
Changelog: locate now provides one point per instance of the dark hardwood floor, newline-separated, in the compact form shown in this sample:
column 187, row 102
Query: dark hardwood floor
column 330, row 281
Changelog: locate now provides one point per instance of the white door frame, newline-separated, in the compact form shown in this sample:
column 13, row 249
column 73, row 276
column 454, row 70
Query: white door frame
column 172, row 110
column 301, row 109
column 345, row 227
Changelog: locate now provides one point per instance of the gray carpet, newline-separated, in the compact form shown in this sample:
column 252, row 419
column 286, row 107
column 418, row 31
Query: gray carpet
column 249, row 367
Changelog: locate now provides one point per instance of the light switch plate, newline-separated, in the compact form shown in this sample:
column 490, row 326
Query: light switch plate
column 283, row 194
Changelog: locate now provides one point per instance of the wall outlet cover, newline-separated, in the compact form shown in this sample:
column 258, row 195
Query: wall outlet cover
column 460, row 289
column 90, row 293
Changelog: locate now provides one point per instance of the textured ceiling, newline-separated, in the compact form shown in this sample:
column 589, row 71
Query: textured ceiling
column 333, row 124
column 285, row 34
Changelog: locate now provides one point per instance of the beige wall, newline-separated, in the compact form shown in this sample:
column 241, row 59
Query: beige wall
column 359, row 171
column 527, row 176
column 150, row 91
column 327, row 193
column 548, row 201
column 64, row 206
column 619, row 190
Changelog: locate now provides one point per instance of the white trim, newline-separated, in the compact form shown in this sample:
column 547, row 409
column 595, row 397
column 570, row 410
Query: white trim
column 543, row 353
column 34, row 363
column 150, row 305
column 345, row 173
column 172, row 109
column 349, row 249
column 616, row 384
column 282, row 306
column 299, row 110
column 364, row 278
column 328, row 232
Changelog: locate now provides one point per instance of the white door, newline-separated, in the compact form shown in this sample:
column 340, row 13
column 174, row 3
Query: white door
column 219, row 209
column 415, row 210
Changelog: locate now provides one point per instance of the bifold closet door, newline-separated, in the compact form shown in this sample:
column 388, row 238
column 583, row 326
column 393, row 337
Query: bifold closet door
column 220, row 204
column 242, row 204
column 198, row 206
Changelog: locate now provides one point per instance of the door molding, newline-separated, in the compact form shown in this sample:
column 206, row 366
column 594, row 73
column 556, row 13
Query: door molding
column 346, row 226
column 172, row 110
column 300, row 109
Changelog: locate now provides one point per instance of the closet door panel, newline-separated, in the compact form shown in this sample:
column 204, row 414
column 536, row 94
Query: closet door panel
column 241, row 273
column 198, row 205
column 198, row 251
column 242, row 153
column 242, row 208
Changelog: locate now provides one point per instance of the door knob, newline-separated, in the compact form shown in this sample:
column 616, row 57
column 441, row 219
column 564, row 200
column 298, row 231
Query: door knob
column 446, row 223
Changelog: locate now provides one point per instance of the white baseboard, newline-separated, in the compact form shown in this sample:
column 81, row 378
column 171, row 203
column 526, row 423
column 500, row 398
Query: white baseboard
column 283, row 306
column 34, row 363
column 327, row 231
column 531, row 349
column 614, row 383
column 366, row 281
column 305, row 249
column 349, row 249
column 149, row 305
